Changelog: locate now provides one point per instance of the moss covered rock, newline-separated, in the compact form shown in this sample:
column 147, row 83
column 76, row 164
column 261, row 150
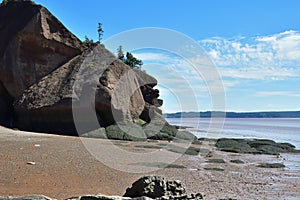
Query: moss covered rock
column 237, row 161
column 98, row 133
column 271, row 165
column 161, row 130
column 235, row 146
column 255, row 146
column 216, row 160
column 186, row 135
column 129, row 132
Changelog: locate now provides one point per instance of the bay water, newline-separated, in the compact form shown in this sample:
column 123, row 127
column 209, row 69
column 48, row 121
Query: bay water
column 277, row 129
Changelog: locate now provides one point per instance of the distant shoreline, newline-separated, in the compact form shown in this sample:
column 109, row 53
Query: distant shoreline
column 218, row 114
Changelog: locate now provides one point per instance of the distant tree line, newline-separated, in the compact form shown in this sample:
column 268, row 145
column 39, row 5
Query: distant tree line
column 210, row 114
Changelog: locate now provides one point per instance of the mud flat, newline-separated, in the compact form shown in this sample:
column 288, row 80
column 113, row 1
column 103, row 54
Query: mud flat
column 61, row 167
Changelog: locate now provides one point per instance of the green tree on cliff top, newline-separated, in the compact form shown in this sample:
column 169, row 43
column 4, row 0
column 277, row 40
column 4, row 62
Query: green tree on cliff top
column 100, row 32
column 120, row 52
column 133, row 61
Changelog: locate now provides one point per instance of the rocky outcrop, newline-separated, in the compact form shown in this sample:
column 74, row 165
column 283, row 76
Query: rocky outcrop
column 158, row 129
column 152, row 103
column 116, row 95
column 254, row 146
column 51, row 82
column 158, row 188
column 33, row 44
column 46, row 73
column 119, row 91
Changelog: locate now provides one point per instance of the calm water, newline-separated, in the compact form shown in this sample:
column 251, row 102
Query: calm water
column 278, row 129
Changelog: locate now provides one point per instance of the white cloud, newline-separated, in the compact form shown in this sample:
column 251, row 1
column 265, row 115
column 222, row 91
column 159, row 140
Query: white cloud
column 260, row 73
column 158, row 57
column 274, row 57
column 278, row 93
column 198, row 73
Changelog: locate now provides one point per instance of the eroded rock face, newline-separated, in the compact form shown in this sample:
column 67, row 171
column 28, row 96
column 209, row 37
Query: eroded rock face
column 152, row 103
column 46, row 74
column 76, row 86
column 119, row 91
column 34, row 44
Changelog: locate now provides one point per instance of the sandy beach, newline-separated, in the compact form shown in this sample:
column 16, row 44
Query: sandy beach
column 61, row 167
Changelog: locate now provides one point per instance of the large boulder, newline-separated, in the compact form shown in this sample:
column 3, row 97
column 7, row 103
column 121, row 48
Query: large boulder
column 156, row 187
column 127, row 132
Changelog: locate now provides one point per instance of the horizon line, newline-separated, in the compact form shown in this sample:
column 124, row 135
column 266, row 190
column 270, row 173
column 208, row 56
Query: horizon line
column 231, row 111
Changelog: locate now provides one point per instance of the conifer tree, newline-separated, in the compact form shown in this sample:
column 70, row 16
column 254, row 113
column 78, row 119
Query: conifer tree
column 132, row 61
column 121, row 55
column 100, row 32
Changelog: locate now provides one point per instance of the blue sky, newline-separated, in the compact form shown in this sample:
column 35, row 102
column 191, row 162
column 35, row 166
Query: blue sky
column 255, row 46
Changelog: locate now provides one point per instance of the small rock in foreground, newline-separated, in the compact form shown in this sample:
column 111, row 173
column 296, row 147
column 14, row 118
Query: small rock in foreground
column 158, row 188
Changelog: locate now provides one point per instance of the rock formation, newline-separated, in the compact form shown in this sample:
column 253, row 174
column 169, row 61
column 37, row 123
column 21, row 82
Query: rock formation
column 254, row 146
column 33, row 44
column 45, row 72
column 158, row 188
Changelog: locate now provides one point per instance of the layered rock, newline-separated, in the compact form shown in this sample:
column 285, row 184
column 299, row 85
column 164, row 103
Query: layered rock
column 46, row 74
column 119, row 92
column 152, row 103
column 33, row 44
column 50, row 104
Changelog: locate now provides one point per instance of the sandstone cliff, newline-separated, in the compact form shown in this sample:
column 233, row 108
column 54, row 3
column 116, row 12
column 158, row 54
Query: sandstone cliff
column 45, row 72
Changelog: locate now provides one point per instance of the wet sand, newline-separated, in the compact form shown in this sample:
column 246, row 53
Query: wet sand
column 61, row 167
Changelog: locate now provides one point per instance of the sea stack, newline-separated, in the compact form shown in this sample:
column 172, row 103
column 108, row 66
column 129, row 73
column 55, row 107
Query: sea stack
column 39, row 64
